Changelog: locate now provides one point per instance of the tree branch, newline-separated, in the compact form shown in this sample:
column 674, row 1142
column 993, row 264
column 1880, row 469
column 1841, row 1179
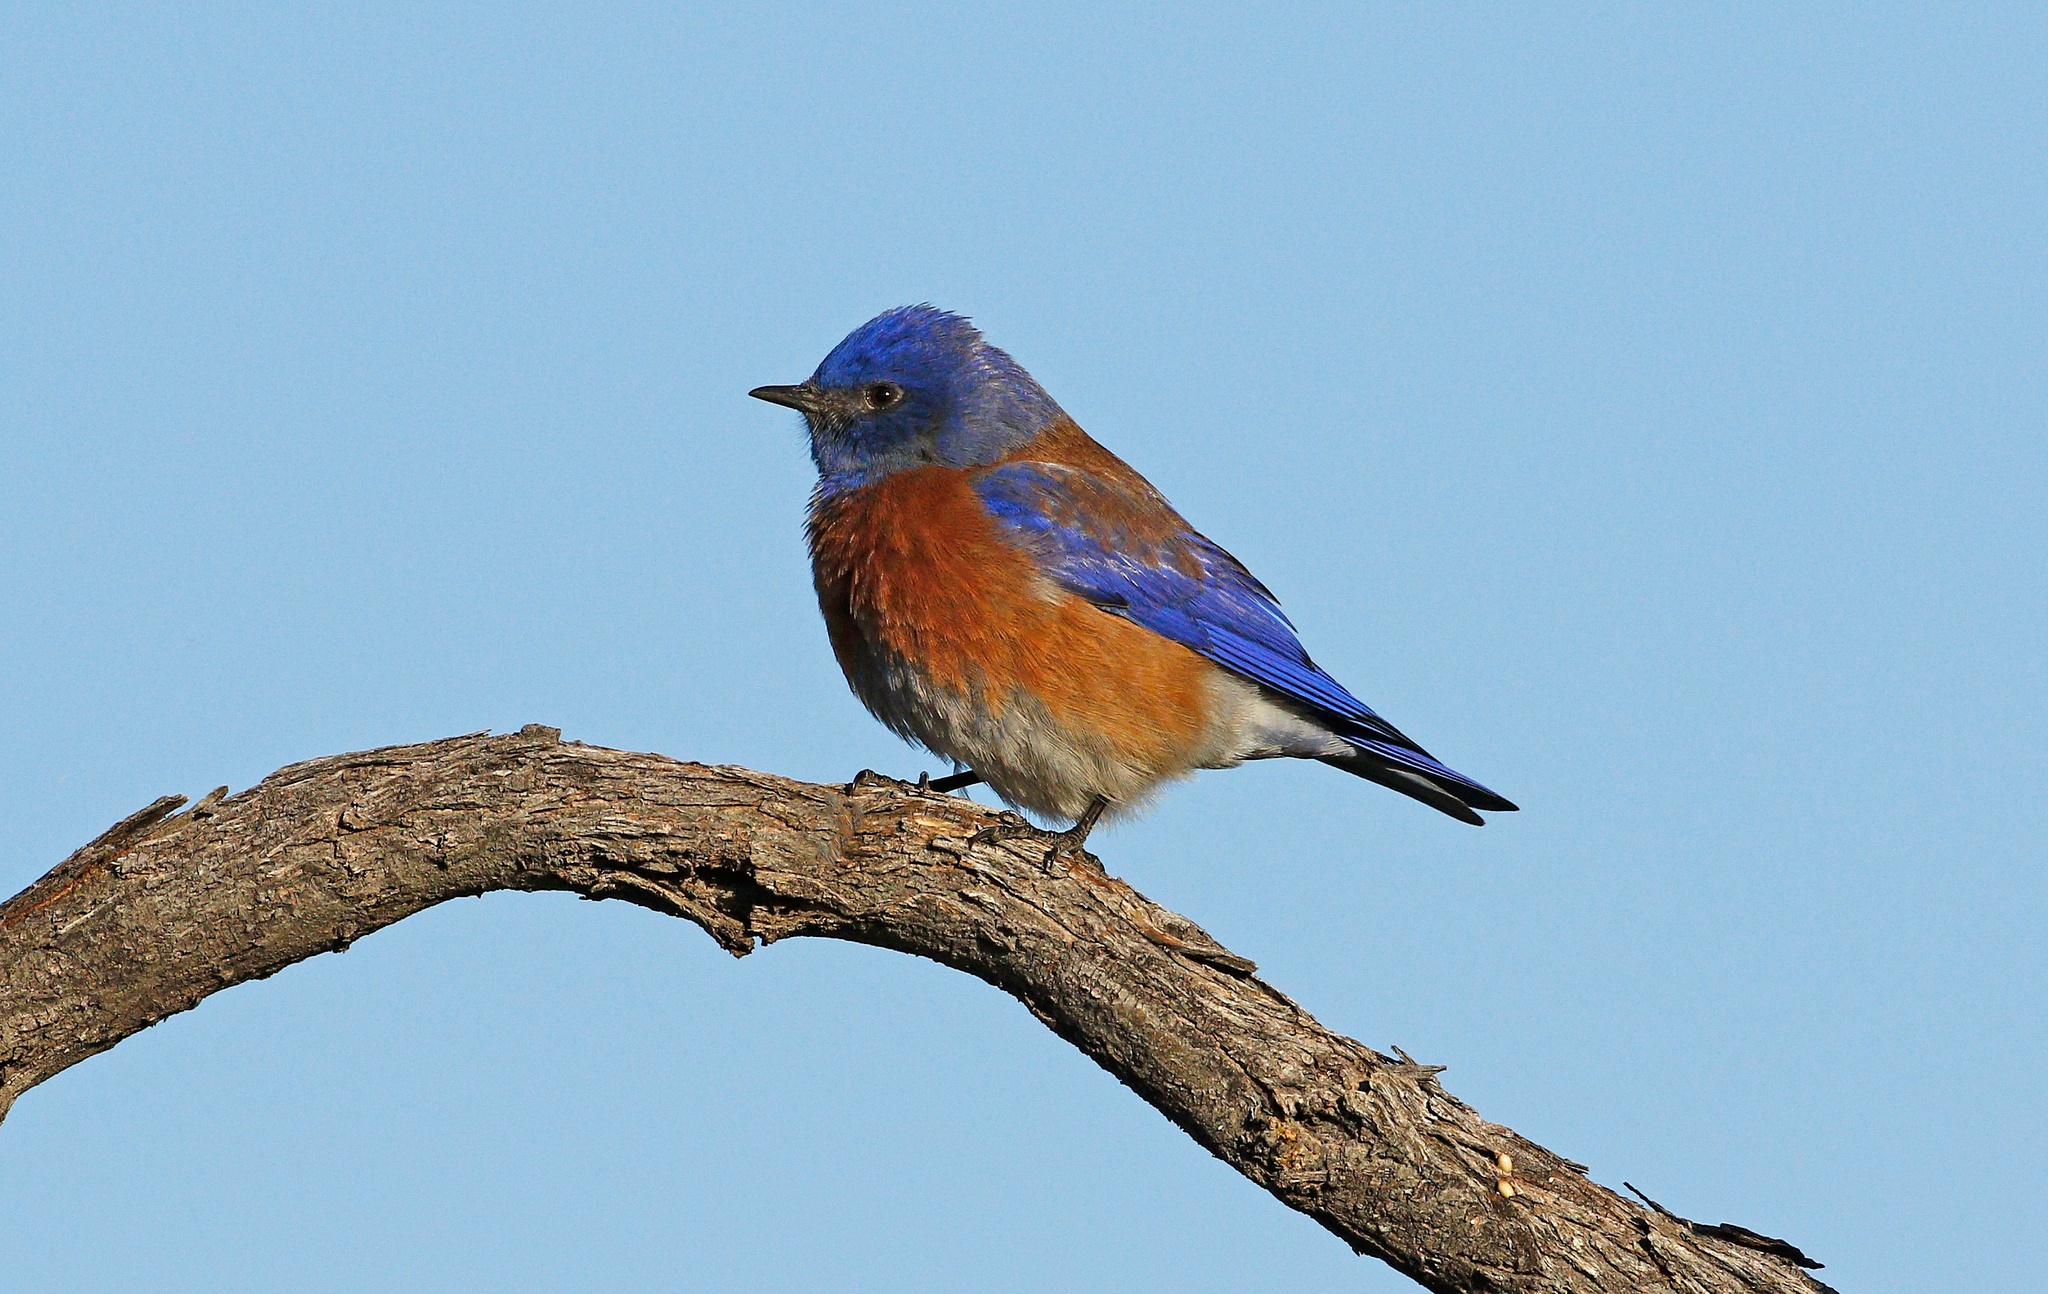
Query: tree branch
column 163, row 910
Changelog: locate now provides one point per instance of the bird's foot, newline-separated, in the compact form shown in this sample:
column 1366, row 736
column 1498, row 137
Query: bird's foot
column 1070, row 843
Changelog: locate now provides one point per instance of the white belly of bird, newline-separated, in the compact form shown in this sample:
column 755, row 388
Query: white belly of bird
column 1037, row 763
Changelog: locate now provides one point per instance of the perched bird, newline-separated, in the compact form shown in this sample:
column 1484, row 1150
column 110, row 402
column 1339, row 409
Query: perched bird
column 1012, row 596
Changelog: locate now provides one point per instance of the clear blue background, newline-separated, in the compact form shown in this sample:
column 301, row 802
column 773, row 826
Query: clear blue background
column 1644, row 410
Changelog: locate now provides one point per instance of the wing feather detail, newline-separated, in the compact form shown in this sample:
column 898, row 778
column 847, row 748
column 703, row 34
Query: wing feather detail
column 1120, row 545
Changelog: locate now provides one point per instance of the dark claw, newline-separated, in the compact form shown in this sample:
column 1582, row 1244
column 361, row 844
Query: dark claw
column 1009, row 827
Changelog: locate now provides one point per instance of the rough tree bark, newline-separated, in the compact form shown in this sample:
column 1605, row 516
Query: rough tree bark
column 164, row 909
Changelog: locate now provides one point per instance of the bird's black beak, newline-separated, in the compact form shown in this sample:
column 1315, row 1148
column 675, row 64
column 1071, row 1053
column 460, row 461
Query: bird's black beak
column 803, row 399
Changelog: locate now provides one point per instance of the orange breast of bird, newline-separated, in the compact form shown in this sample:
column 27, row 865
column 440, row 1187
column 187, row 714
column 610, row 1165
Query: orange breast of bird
column 913, row 569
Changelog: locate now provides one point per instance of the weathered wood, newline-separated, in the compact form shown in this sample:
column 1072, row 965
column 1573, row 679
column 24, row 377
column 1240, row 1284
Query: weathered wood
column 163, row 910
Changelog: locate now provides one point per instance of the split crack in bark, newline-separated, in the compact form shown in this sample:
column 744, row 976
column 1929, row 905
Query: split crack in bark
column 161, row 911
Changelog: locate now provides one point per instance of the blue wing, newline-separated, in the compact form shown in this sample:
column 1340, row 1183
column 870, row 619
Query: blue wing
column 1123, row 548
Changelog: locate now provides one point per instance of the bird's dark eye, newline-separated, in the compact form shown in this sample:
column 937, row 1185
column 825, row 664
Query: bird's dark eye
column 880, row 395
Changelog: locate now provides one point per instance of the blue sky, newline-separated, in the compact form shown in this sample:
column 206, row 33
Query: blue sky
column 1644, row 409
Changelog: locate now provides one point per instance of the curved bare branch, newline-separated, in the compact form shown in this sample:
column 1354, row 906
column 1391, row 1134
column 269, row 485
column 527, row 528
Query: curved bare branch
column 168, row 907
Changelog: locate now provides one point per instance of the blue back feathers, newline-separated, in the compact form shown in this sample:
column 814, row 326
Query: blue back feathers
column 1133, row 556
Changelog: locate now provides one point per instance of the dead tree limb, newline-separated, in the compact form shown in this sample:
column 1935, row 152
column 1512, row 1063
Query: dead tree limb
column 167, row 907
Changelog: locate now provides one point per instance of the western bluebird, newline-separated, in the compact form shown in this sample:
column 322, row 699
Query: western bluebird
column 1012, row 596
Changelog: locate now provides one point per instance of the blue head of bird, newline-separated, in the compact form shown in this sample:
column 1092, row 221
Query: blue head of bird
column 914, row 386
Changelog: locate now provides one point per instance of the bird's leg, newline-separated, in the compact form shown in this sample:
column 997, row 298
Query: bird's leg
column 1070, row 841
column 949, row 784
column 1074, row 839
